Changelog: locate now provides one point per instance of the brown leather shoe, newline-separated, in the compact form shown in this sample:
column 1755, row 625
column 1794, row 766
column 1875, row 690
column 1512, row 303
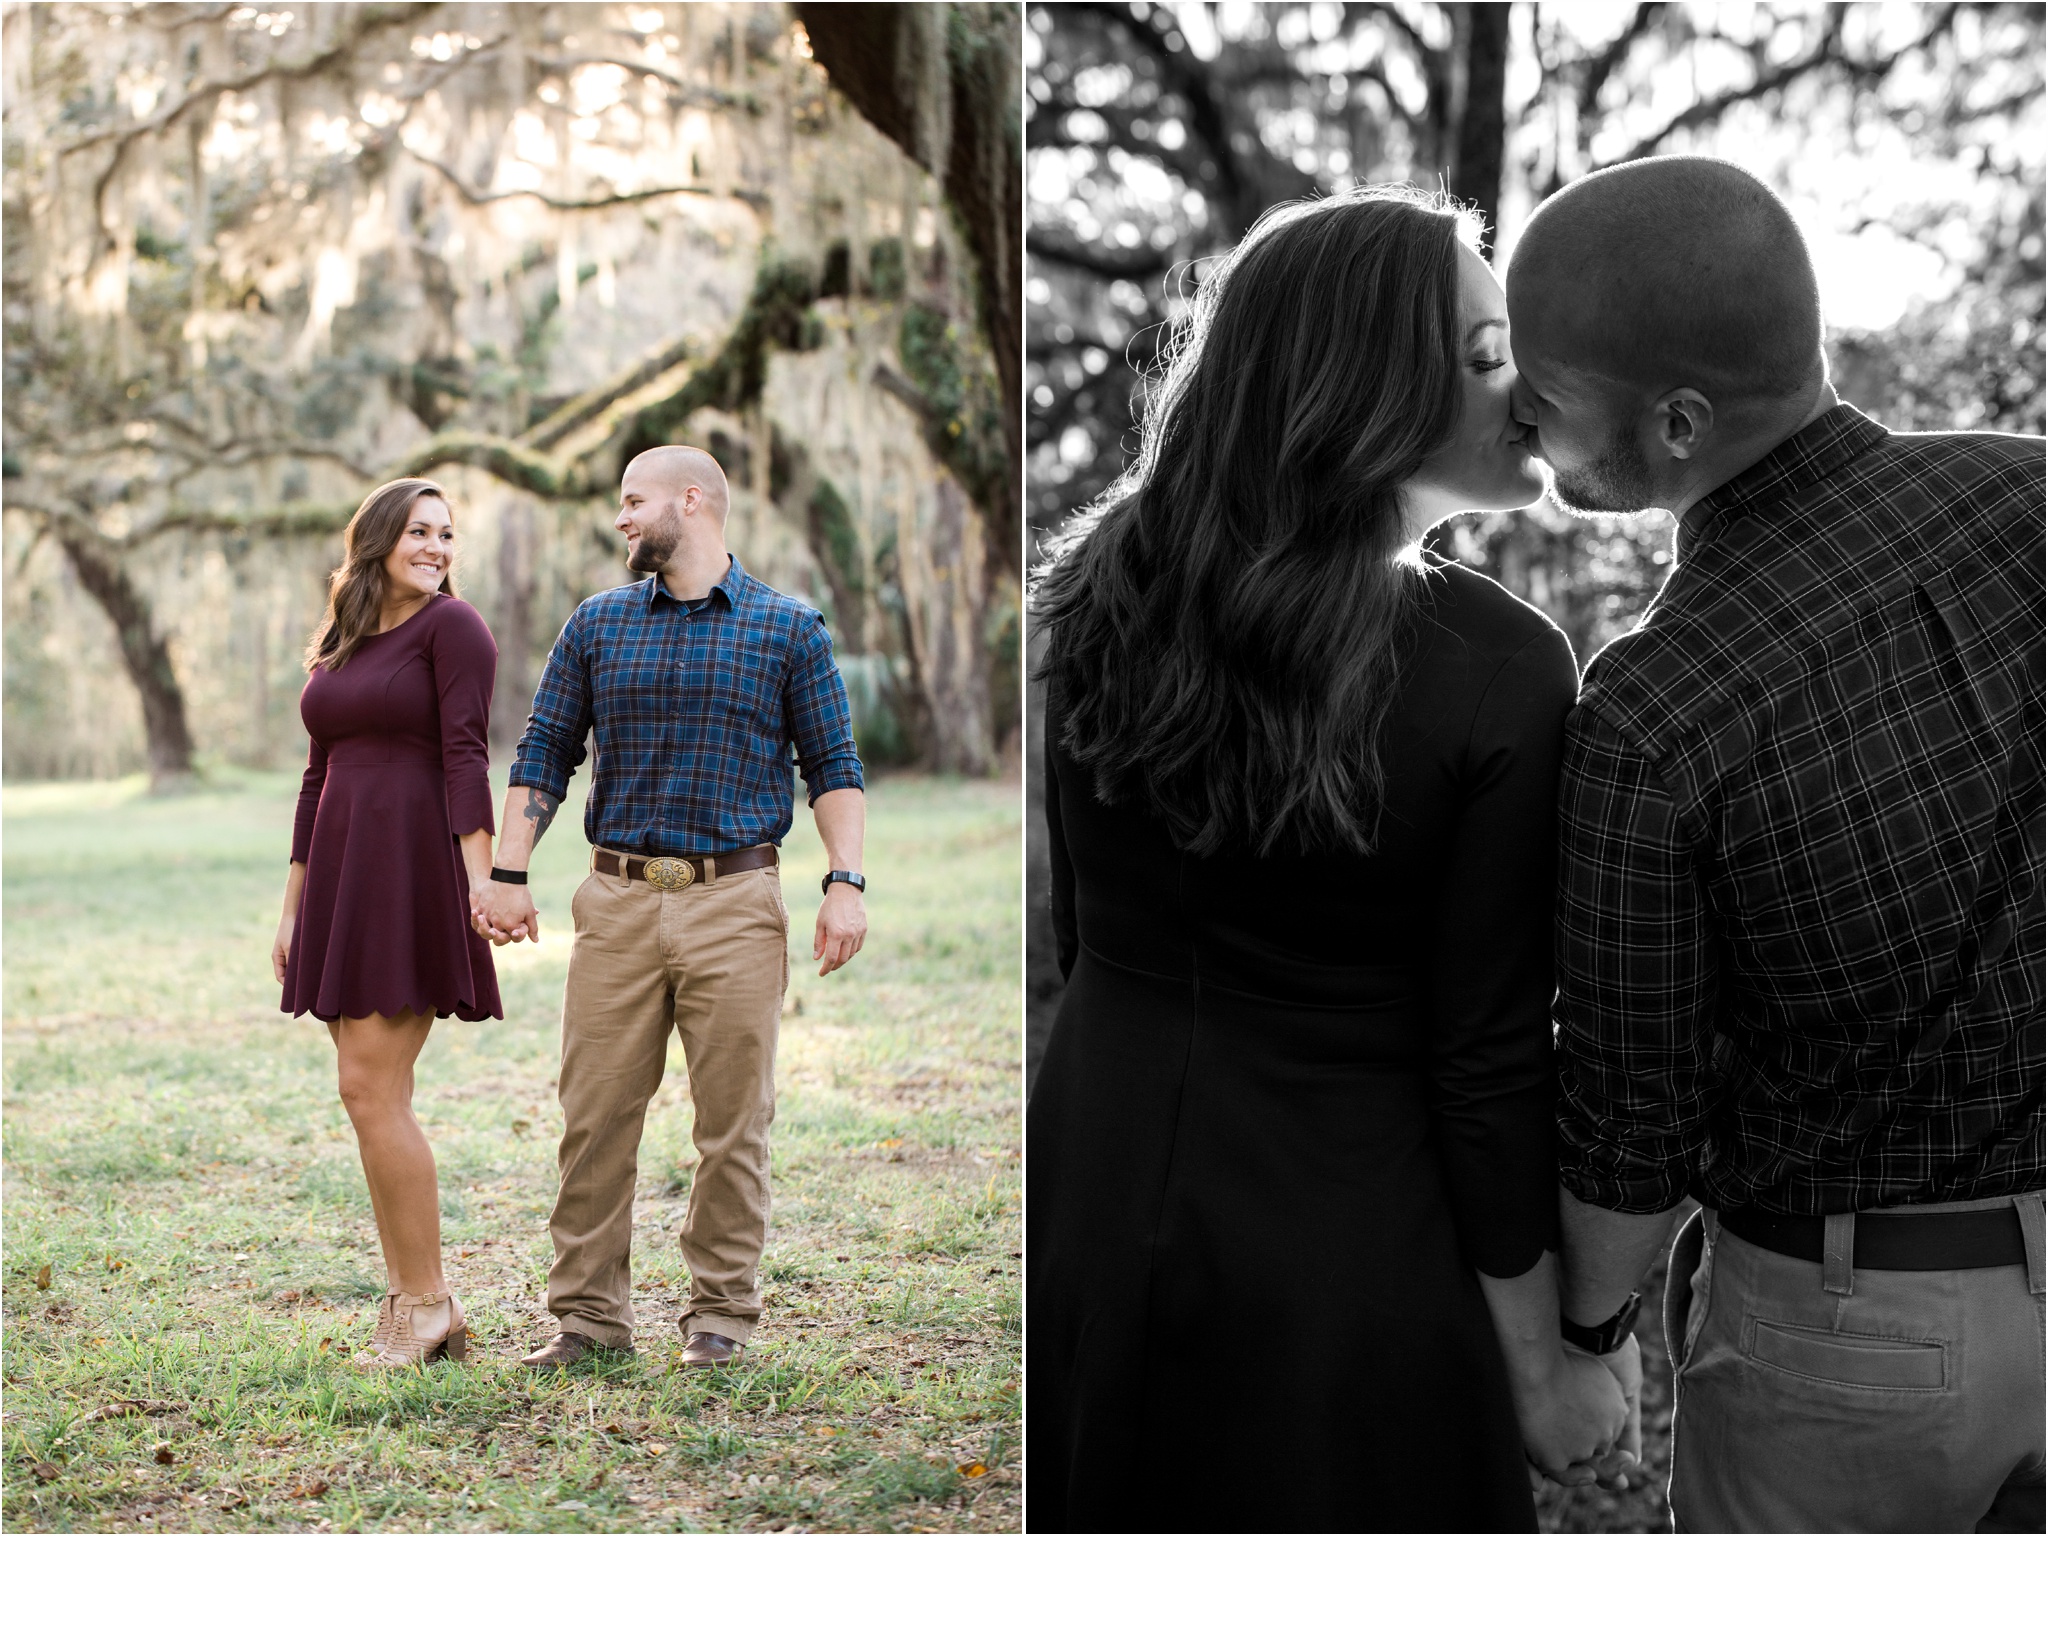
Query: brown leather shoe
column 704, row 1350
column 568, row 1349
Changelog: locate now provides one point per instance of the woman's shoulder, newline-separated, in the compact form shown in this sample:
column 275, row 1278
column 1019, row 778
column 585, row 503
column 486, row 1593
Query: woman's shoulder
column 451, row 617
column 1485, row 615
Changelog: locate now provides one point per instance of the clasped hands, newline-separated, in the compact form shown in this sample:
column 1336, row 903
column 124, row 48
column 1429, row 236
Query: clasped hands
column 503, row 912
column 1584, row 1424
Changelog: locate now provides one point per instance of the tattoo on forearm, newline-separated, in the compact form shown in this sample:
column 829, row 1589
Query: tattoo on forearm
column 540, row 807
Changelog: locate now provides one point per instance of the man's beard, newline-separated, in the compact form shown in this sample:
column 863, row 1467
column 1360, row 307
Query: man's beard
column 1618, row 478
column 657, row 543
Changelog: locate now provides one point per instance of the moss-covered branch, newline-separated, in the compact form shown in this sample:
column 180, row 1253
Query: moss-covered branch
column 777, row 315
column 507, row 459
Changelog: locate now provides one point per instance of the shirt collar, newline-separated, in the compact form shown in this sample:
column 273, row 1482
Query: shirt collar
column 732, row 586
column 1810, row 454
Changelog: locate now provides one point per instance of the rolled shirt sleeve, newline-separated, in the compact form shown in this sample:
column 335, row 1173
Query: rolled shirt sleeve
column 1637, row 980
column 465, row 661
column 817, row 717
column 557, row 729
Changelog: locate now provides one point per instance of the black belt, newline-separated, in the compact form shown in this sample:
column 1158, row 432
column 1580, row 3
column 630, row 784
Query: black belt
column 671, row 873
column 1946, row 1241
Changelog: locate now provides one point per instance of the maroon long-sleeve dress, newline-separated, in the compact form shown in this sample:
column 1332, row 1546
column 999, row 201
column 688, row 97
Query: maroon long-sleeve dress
column 399, row 767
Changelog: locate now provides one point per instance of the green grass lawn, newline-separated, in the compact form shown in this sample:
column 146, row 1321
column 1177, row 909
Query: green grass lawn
column 190, row 1254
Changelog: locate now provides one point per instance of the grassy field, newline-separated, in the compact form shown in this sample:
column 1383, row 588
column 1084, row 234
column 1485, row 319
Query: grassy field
column 190, row 1255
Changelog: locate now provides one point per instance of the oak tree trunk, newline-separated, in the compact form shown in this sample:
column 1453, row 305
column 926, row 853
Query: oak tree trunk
column 1483, row 131
column 146, row 655
column 512, row 693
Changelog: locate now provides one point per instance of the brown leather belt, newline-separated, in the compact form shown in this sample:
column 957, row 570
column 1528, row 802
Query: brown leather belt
column 1944, row 1242
column 671, row 873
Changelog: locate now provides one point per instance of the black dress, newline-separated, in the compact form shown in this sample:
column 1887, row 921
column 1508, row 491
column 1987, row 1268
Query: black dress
column 1288, row 1106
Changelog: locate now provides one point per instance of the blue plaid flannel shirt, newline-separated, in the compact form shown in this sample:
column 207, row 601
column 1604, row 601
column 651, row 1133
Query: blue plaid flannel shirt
column 695, row 711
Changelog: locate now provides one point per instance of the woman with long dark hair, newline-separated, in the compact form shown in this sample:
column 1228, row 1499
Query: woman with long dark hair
column 393, row 834
column 1292, row 1195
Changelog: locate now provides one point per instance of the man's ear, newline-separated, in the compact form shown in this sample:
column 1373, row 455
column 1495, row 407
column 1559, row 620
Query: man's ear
column 692, row 499
column 1684, row 418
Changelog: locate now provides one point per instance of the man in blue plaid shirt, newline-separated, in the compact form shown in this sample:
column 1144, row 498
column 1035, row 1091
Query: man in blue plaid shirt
column 697, row 682
column 1800, row 930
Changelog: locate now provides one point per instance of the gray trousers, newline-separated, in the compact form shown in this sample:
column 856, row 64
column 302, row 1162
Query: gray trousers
column 1810, row 1398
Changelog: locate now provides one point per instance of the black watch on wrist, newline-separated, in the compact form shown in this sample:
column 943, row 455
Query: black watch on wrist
column 1608, row 1336
column 858, row 882
column 510, row 877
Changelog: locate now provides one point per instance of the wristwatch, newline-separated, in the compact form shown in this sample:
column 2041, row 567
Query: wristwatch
column 858, row 882
column 1608, row 1336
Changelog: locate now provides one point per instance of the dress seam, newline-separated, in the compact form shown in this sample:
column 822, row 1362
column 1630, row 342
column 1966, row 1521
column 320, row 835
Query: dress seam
column 1180, row 1095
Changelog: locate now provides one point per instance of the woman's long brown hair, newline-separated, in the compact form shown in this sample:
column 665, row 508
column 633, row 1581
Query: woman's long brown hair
column 355, row 590
column 1226, row 627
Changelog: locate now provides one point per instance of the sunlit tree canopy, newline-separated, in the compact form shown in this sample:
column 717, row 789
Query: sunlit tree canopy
column 258, row 259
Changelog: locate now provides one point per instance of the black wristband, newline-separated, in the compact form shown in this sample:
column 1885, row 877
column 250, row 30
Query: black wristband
column 1606, row 1337
column 511, row 877
column 846, row 876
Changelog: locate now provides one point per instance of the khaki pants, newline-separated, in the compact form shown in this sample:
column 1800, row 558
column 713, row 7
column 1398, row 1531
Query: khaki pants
column 1897, row 1402
column 711, row 961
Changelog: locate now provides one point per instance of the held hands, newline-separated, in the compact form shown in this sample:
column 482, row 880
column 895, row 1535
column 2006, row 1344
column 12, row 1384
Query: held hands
column 502, row 912
column 1625, row 1364
column 1578, row 1423
column 842, row 927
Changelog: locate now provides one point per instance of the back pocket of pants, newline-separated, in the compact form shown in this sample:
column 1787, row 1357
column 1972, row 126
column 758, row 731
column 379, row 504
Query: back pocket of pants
column 1873, row 1362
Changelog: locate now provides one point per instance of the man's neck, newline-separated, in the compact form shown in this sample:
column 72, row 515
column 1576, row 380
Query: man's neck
column 696, row 568
column 1737, row 457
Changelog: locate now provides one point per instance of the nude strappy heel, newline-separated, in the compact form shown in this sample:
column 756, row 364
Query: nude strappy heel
column 394, row 1346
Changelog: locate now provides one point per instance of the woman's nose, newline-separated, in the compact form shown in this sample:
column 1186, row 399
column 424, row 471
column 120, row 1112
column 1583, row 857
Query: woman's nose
column 1521, row 404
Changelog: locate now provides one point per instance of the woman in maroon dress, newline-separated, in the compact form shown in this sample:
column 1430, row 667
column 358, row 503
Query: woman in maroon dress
column 393, row 833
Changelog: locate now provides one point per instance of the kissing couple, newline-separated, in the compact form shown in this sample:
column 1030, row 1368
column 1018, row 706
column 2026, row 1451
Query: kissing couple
column 1419, row 988
column 696, row 681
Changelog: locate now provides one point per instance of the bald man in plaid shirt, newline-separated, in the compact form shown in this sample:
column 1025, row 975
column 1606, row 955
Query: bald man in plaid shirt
column 1800, row 935
column 698, row 682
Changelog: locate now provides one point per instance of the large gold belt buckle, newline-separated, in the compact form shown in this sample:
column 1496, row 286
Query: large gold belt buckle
column 670, row 874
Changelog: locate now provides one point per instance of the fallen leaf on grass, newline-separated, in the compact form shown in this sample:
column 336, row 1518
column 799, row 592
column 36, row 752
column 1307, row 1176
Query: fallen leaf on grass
column 973, row 1468
column 45, row 1472
column 310, row 1491
column 325, row 1342
column 43, row 1276
column 114, row 1262
column 119, row 1409
column 657, row 1448
column 234, row 1501
column 521, row 1126
column 614, row 1429
column 163, row 1455
column 891, row 1141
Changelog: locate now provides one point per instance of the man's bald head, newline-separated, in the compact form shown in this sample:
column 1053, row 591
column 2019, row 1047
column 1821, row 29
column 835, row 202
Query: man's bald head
column 665, row 472
column 1669, row 272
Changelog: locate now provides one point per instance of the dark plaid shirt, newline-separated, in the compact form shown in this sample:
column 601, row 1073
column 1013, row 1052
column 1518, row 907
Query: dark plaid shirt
column 696, row 707
column 1800, row 911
